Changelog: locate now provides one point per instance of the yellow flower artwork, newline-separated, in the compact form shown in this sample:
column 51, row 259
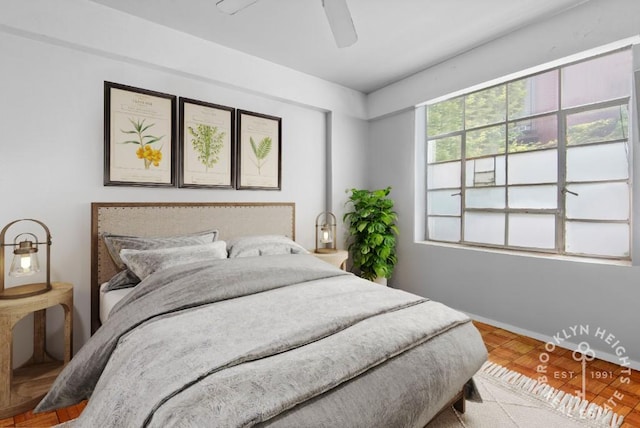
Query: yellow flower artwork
column 146, row 152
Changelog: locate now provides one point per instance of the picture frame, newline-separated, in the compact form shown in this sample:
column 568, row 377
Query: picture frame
column 139, row 137
column 207, row 145
column 259, row 151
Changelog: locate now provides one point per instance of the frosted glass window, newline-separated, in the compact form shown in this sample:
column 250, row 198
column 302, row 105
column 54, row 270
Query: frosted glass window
column 443, row 175
column 596, row 126
column 444, row 149
column 484, row 228
column 491, row 197
column 599, row 79
column 533, row 197
column 532, row 230
column 541, row 162
column 533, row 167
column 533, row 95
column 599, row 162
column 444, row 229
column 444, row 202
column 599, row 201
column 603, row 239
column 533, row 134
column 486, row 141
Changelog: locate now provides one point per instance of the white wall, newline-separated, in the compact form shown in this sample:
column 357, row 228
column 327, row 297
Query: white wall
column 55, row 58
column 538, row 296
column 349, row 158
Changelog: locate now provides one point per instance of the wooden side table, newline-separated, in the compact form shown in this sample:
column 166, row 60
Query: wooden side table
column 338, row 259
column 21, row 389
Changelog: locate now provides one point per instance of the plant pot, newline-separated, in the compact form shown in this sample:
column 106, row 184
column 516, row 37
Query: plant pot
column 380, row 280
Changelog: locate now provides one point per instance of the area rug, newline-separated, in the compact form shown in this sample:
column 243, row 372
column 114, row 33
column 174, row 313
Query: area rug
column 513, row 400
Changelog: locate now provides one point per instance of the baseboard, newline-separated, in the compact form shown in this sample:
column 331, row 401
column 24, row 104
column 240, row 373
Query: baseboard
column 566, row 344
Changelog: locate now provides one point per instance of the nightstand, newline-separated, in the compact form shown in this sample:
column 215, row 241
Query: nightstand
column 21, row 389
column 338, row 259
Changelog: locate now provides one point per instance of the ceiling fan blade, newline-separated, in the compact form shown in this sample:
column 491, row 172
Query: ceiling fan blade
column 233, row 6
column 340, row 22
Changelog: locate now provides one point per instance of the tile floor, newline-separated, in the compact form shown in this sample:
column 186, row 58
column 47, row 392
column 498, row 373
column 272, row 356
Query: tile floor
column 606, row 383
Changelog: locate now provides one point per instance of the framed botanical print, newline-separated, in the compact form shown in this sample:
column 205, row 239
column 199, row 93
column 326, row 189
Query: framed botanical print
column 259, row 151
column 139, row 137
column 207, row 145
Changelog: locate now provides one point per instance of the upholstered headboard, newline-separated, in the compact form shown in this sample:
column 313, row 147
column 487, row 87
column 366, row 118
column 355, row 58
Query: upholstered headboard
column 168, row 219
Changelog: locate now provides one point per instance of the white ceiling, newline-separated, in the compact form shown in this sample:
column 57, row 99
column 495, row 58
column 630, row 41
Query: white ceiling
column 396, row 38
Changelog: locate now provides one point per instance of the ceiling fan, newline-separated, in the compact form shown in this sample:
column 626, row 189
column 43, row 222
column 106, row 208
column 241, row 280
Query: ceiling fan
column 337, row 12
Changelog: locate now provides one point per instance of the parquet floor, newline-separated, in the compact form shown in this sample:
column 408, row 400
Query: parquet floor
column 606, row 383
column 47, row 419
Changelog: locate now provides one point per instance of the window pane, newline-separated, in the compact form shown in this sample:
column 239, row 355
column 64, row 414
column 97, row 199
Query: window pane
column 600, row 79
column 485, row 141
column 478, row 171
column 595, row 126
column 532, row 230
column 443, row 175
column 484, row 172
column 533, row 167
column 491, row 197
column 445, row 117
column 599, row 162
column 534, row 197
column 444, row 229
column 441, row 202
column 533, row 134
column 533, row 95
column 485, row 107
column 444, row 149
column 485, row 228
column 602, row 239
column 600, row 201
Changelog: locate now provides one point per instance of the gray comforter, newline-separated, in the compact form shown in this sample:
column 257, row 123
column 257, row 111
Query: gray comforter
column 240, row 341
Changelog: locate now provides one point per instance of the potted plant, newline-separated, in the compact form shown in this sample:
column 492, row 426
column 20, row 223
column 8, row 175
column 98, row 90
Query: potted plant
column 372, row 229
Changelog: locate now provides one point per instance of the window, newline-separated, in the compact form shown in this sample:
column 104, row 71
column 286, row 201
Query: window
column 541, row 163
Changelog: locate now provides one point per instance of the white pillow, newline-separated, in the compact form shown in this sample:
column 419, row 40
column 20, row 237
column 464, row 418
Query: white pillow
column 145, row 262
column 263, row 245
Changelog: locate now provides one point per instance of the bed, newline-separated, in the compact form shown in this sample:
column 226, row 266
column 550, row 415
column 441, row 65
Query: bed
column 248, row 329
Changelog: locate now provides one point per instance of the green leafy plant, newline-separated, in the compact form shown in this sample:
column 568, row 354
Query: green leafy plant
column 207, row 143
column 261, row 151
column 372, row 229
column 145, row 152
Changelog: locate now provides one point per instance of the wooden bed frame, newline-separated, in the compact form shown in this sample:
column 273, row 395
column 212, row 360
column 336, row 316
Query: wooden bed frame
column 231, row 219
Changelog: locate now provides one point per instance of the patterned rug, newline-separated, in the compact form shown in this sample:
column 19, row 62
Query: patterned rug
column 513, row 400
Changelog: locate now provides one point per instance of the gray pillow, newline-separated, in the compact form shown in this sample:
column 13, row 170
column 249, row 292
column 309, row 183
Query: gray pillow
column 123, row 279
column 145, row 262
column 116, row 243
column 263, row 245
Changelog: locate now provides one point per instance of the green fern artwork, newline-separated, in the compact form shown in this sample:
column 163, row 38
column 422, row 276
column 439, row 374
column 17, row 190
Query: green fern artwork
column 261, row 151
column 207, row 142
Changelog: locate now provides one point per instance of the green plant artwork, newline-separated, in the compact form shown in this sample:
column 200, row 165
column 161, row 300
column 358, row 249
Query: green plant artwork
column 207, row 143
column 261, row 151
column 146, row 152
